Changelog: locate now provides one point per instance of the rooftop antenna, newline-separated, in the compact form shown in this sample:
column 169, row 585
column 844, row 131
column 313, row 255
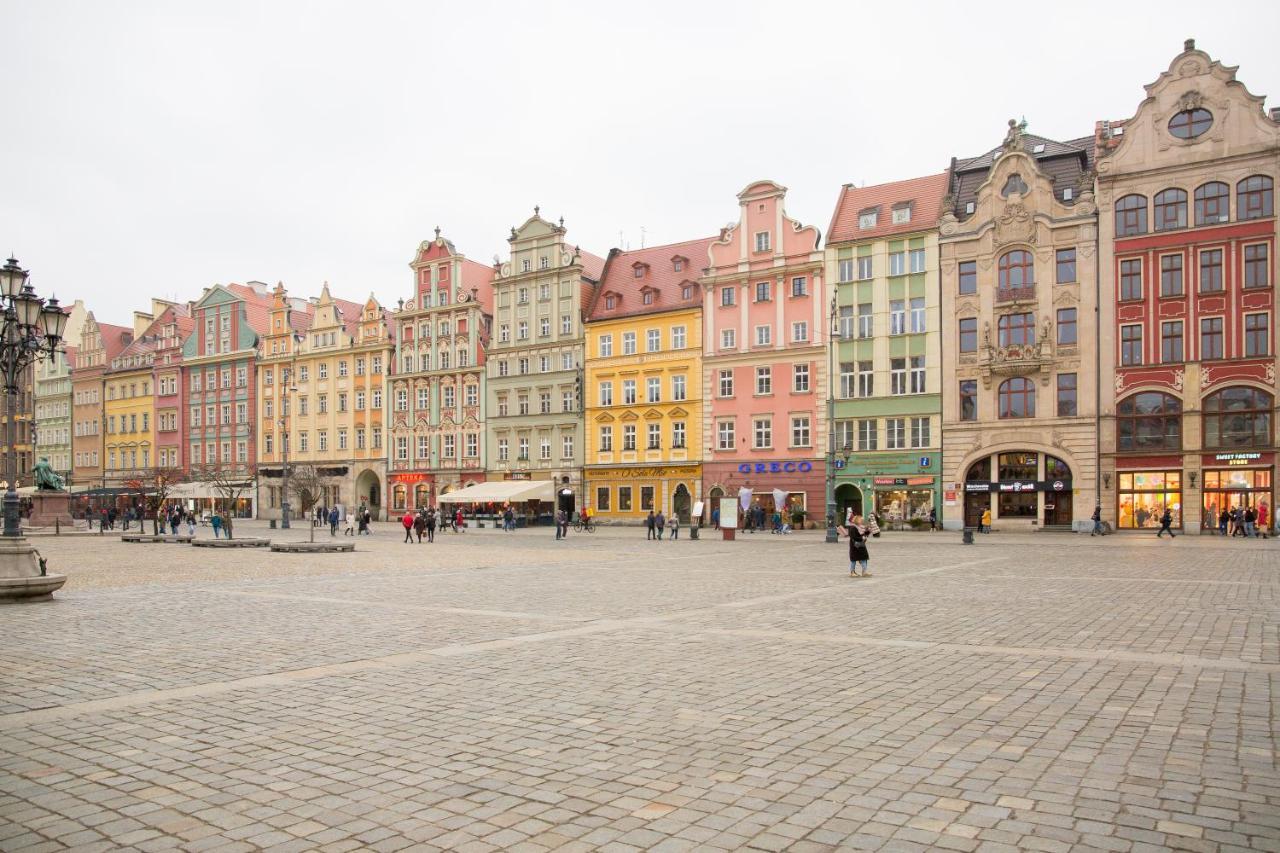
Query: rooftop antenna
column 641, row 236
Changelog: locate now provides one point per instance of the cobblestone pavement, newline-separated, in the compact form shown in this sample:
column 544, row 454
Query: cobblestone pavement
column 506, row 691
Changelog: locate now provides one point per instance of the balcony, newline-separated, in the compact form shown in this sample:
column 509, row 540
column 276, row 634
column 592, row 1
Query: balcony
column 1023, row 293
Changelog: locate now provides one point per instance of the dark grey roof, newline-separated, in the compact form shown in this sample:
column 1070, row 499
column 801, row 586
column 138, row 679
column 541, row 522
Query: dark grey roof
column 1067, row 164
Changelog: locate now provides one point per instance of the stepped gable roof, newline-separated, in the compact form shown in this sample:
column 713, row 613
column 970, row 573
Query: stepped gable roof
column 924, row 195
column 1068, row 164
column 630, row 274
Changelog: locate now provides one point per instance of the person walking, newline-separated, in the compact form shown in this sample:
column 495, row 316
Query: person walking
column 1237, row 522
column 660, row 524
column 1166, row 524
column 407, row 522
column 430, row 521
column 459, row 523
column 858, row 553
column 1224, row 518
column 1250, row 522
column 1097, row 521
column 984, row 524
column 649, row 525
column 216, row 521
column 715, row 517
column 674, row 525
column 333, row 521
column 508, row 520
column 933, row 519
column 1263, row 519
column 559, row 525
column 777, row 522
column 420, row 524
column 191, row 524
column 362, row 522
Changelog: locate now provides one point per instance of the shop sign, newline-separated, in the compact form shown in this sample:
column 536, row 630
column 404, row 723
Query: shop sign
column 902, row 481
column 775, row 467
column 949, row 497
column 1018, row 486
column 1235, row 459
column 408, row 478
column 516, row 475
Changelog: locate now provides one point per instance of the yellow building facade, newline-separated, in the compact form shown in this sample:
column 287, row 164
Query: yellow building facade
column 128, row 407
column 643, row 385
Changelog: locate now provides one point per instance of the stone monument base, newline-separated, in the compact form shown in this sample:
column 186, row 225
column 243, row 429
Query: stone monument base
column 49, row 507
column 20, row 576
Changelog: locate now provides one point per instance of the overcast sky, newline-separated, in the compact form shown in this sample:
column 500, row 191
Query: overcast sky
column 158, row 148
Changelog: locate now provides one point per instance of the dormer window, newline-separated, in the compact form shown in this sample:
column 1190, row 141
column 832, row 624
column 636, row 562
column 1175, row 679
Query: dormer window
column 639, row 269
column 647, row 297
column 1014, row 184
column 902, row 213
column 610, row 302
column 867, row 218
column 686, row 292
column 678, row 264
column 762, row 241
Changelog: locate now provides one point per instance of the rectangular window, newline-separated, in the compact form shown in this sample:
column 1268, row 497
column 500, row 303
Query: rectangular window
column 799, row 286
column 764, row 380
column 728, row 338
column 727, row 296
column 628, row 392
column 544, row 402
column 867, row 435
column 799, row 332
column 800, row 433
column 764, row 335
column 917, row 374
column 968, row 334
column 606, row 439
column 1257, row 339
column 762, row 291
column 724, row 435
column 646, row 498
column 1257, row 272
column 897, row 317
column 1067, row 395
column 606, row 346
column 1066, row 327
column 566, row 401
column 916, row 258
column 602, row 498
column 678, row 337
column 544, row 448
column 897, row 376
column 653, row 340
column 1131, row 279
column 866, row 379
column 866, row 268
column 678, row 388
column 628, row 436
column 917, row 315
column 653, row 389
column 800, row 378
column 1130, row 345
column 655, row 437
column 968, row 399
column 606, row 393
column 678, row 435
column 1066, row 266
column 844, row 270
column 968, row 276
column 1210, row 338
column 628, row 343
column 846, row 380
column 897, row 263
column 919, row 432
column 1171, row 342
column 762, row 429
column 566, row 446
column 1211, row 271
column 762, row 241
column 725, row 383
column 624, row 499
column 1171, row 275
column 866, row 320
column 896, row 433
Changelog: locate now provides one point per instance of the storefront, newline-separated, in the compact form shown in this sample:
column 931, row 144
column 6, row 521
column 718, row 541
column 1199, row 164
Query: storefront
column 1143, row 496
column 623, row 493
column 800, row 484
column 901, row 488
column 412, row 490
column 1240, row 480
column 1022, row 488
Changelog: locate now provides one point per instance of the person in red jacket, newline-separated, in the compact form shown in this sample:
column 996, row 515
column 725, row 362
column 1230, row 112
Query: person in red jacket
column 407, row 521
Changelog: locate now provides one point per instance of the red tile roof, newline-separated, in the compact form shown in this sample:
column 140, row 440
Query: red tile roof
column 592, row 265
column 925, row 193
column 114, row 339
column 658, row 273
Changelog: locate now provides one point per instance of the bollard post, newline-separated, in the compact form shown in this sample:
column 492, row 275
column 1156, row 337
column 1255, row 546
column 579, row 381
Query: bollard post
column 57, row 526
column 967, row 536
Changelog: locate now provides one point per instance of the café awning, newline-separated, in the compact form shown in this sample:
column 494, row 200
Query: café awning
column 503, row 491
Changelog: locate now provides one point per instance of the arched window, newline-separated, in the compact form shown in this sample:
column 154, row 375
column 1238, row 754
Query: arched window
column 1017, row 271
column 1189, row 124
column 1151, row 420
column 1131, row 215
column 1212, row 203
column 1253, row 197
column 1170, row 209
column 1237, row 417
column 1017, row 398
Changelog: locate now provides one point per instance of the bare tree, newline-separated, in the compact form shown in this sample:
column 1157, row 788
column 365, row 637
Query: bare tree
column 307, row 486
column 230, row 482
column 155, row 484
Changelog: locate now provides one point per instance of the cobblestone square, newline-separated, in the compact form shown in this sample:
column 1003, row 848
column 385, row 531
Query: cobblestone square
column 507, row 691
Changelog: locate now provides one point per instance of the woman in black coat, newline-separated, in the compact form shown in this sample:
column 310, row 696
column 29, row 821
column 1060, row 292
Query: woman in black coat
column 857, row 547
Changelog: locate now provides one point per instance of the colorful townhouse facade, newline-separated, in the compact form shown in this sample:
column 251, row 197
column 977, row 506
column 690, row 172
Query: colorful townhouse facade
column 438, row 401
column 172, row 329
column 1188, row 312
column 535, row 359
column 644, row 384
column 128, row 407
column 54, row 421
column 765, row 329
column 1018, row 244
column 886, row 363
column 100, row 343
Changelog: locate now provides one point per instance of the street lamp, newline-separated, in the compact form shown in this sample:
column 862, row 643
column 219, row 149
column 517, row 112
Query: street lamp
column 32, row 330
column 832, row 332
column 284, row 430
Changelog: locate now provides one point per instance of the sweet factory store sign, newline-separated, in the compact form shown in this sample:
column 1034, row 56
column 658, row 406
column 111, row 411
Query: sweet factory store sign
column 1020, row 486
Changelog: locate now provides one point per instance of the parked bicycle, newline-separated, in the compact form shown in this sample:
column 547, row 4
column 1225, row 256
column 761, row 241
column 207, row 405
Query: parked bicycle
column 580, row 524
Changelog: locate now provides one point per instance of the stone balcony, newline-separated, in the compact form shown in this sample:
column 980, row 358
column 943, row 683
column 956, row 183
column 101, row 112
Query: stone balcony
column 1016, row 360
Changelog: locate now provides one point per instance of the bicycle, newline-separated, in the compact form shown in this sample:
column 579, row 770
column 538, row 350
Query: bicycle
column 580, row 525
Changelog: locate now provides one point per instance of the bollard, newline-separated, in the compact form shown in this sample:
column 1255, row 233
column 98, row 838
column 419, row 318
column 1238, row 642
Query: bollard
column 57, row 527
column 967, row 537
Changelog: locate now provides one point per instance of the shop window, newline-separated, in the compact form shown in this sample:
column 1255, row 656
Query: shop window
column 1233, row 488
column 624, row 499
column 1237, row 417
column 1018, row 467
column 646, row 498
column 1145, row 495
column 602, row 499
column 399, row 496
column 1151, row 420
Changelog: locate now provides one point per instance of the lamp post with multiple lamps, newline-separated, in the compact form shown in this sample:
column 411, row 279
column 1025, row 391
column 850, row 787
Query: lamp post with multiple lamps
column 285, row 414
column 32, row 330
column 833, row 453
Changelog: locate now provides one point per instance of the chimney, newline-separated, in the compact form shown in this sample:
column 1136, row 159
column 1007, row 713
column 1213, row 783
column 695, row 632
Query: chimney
column 1189, row 44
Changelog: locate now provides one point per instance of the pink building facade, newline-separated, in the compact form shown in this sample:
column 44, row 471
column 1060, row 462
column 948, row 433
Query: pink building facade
column 765, row 325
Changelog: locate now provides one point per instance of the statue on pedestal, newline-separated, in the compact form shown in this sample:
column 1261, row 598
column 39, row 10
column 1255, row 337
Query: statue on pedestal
column 46, row 478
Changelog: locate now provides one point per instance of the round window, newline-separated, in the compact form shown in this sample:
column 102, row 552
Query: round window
column 1189, row 124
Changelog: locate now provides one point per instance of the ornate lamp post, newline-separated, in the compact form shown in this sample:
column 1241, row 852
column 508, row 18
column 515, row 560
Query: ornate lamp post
column 832, row 333
column 32, row 330
column 285, row 415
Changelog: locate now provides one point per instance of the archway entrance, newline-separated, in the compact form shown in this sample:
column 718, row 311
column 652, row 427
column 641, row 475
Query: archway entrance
column 848, row 500
column 680, row 502
column 369, row 493
column 566, row 500
column 713, row 500
column 979, row 501
column 1057, row 503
